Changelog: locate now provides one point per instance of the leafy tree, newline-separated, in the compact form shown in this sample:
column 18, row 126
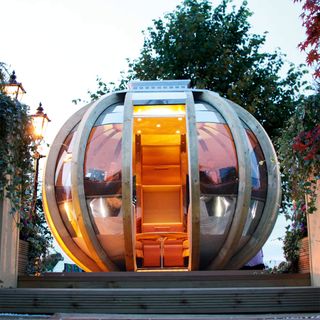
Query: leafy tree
column 311, row 21
column 214, row 48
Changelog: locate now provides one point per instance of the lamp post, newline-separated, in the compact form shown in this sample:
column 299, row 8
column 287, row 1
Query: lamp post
column 39, row 122
column 13, row 88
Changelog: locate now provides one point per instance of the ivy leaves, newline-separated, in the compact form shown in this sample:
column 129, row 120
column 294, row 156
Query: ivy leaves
column 15, row 149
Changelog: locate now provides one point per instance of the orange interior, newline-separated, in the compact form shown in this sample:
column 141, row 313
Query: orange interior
column 160, row 165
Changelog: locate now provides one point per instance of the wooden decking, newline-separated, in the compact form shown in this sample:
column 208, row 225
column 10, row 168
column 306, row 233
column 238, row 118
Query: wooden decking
column 217, row 292
column 196, row 279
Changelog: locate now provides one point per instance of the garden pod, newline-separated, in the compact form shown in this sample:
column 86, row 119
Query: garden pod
column 161, row 177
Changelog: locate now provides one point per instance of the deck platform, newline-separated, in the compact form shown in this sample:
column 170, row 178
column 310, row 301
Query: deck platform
column 194, row 293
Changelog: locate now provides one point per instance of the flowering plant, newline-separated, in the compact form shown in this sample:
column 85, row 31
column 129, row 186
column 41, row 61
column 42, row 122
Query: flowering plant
column 299, row 154
column 306, row 147
column 308, row 144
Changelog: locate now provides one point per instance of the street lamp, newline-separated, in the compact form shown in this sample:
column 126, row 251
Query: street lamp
column 39, row 122
column 13, row 88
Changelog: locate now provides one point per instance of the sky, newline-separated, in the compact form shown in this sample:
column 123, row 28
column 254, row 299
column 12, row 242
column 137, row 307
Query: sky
column 59, row 47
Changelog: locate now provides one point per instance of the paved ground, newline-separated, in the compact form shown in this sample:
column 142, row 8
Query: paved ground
column 72, row 316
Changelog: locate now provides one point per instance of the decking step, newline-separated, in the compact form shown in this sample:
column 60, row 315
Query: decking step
column 201, row 279
column 163, row 301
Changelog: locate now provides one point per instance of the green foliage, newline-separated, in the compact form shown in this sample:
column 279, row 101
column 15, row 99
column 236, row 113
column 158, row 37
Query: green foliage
column 299, row 155
column 214, row 48
column 294, row 233
column 299, row 152
column 17, row 176
column 35, row 231
column 16, row 154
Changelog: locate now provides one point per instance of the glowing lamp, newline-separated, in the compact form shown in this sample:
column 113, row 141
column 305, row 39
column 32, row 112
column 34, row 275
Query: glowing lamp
column 13, row 88
column 39, row 122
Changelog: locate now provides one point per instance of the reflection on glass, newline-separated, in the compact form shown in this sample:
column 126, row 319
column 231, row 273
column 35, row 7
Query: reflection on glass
column 205, row 113
column 105, row 207
column 255, row 212
column 216, row 214
column 107, row 216
column 258, row 168
column 112, row 115
column 102, row 183
column 102, row 166
column 218, row 171
column 259, row 186
column 217, row 159
column 63, row 185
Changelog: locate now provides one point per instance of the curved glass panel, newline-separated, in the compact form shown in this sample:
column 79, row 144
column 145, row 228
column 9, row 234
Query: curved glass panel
column 102, row 165
column 258, row 168
column 112, row 115
column 218, row 170
column 63, row 191
column 102, row 182
column 63, row 185
column 259, row 180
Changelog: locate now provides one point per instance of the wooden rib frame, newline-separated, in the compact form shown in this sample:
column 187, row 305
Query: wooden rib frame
column 51, row 209
column 273, row 199
column 194, row 182
column 127, row 183
column 77, row 180
column 244, row 189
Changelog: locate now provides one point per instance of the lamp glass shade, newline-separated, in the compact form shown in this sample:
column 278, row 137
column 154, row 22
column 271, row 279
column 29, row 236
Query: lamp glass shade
column 14, row 90
column 39, row 123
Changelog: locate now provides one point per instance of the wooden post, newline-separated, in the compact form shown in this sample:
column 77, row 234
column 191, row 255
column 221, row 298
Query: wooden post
column 314, row 241
column 9, row 246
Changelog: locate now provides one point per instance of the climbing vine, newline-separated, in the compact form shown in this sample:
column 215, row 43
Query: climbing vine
column 16, row 155
column 17, row 148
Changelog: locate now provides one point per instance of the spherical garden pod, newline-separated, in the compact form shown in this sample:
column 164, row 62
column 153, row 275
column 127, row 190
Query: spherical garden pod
column 161, row 177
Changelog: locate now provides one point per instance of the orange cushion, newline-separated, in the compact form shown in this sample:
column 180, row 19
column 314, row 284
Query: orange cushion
column 151, row 255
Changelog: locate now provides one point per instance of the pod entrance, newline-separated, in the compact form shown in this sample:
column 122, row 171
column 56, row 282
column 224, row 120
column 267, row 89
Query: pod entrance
column 160, row 192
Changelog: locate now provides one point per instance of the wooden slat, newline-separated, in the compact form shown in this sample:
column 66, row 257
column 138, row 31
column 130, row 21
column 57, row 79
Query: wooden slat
column 304, row 262
column 23, row 257
column 164, row 301
column 198, row 279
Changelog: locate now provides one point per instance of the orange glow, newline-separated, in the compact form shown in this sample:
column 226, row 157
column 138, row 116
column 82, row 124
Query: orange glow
column 159, row 111
column 14, row 90
column 39, row 126
column 157, row 127
column 161, row 165
column 67, row 205
column 58, row 237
